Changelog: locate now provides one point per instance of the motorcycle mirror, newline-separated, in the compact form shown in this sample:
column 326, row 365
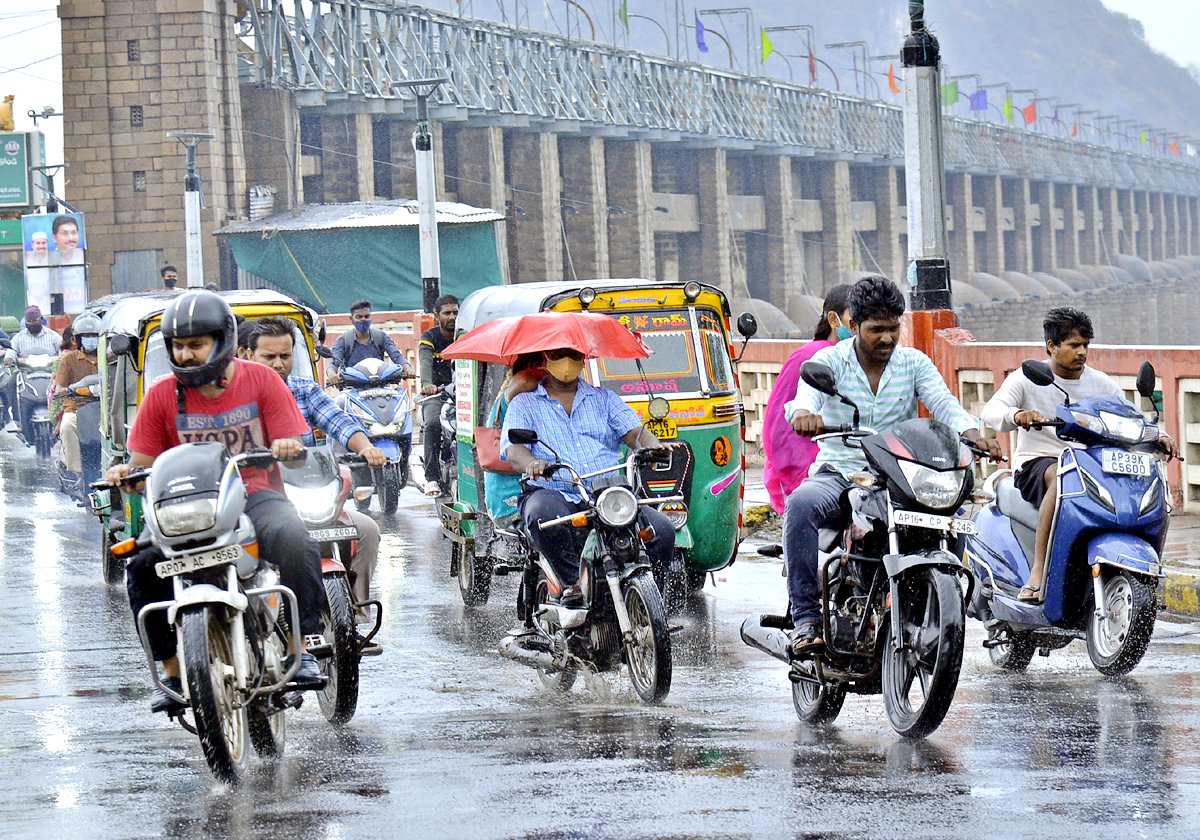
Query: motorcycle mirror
column 321, row 332
column 1037, row 372
column 525, row 437
column 122, row 345
column 658, row 408
column 5, row 343
column 747, row 324
column 1145, row 380
column 324, row 352
column 819, row 377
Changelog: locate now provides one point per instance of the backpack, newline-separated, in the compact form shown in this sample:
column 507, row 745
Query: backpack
column 350, row 336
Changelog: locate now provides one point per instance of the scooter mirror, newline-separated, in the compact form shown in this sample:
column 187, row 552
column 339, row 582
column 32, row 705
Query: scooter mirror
column 1145, row 380
column 324, row 352
column 525, row 437
column 820, row 377
column 1037, row 372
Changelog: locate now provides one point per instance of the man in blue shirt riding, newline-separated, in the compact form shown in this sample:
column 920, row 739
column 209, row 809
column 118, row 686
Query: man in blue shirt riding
column 363, row 342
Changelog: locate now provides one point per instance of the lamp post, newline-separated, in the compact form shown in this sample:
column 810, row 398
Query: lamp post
column 427, row 233
column 52, row 200
column 1006, row 95
column 193, row 202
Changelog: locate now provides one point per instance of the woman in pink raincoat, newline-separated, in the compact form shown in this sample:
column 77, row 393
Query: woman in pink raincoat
column 788, row 455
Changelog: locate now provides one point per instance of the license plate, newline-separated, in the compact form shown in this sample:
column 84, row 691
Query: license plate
column 325, row 534
column 936, row 523
column 1121, row 462
column 203, row 560
column 665, row 429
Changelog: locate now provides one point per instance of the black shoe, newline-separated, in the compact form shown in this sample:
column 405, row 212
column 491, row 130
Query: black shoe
column 308, row 676
column 160, row 701
column 806, row 641
column 371, row 648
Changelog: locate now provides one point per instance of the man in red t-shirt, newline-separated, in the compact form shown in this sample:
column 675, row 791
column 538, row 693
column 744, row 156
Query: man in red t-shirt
column 214, row 397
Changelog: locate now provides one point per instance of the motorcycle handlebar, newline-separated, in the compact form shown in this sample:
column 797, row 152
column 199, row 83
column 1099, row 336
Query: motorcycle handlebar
column 1053, row 424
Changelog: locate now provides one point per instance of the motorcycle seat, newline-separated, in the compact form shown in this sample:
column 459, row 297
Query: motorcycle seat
column 1013, row 505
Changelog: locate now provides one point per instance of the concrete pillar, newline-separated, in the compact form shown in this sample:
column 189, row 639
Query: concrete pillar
column 1045, row 255
column 271, row 128
column 339, row 160
column 1187, row 237
column 1158, row 235
column 1171, row 226
column 1114, row 224
column 784, row 267
column 990, row 196
column 888, row 224
column 480, row 180
column 714, row 263
column 364, row 158
column 1129, row 222
column 837, row 222
column 585, row 206
column 1088, row 204
column 628, row 171
column 536, row 220
column 962, row 240
column 1144, row 230
column 404, row 163
column 1073, row 220
column 1021, row 258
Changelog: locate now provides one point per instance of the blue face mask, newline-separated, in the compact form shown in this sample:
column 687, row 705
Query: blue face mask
column 842, row 332
column 362, row 326
column 90, row 343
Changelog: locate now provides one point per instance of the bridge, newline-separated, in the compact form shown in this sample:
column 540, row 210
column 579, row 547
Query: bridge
column 606, row 162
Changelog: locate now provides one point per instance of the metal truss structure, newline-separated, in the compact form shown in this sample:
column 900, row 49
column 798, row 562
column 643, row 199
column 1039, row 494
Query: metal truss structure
column 348, row 56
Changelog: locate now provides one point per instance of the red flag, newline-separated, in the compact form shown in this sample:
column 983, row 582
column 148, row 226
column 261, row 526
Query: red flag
column 812, row 67
column 1030, row 113
column 892, row 86
column 1075, row 127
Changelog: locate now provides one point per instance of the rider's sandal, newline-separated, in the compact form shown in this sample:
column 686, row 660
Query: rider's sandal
column 1030, row 595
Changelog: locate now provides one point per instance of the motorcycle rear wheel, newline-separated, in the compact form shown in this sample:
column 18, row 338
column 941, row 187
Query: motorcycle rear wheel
column 648, row 652
column 268, row 732
column 1014, row 651
column 1117, row 640
column 114, row 567
column 816, row 704
column 919, row 679
column 208, row 661
column 339, row 698
column 559, row 680
column 474, row 575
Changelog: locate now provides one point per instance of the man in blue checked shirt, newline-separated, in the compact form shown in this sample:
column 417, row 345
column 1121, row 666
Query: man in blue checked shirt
column 271, row 341
column 885, row 381
column 586, row 426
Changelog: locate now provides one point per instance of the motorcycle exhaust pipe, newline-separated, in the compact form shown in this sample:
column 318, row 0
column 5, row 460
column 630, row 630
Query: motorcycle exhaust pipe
column 770, row 640
column 511, row 648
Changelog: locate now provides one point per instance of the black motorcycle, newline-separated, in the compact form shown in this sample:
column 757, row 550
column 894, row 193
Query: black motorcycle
column 892, row 611
column 87, row 424
column 32, row 412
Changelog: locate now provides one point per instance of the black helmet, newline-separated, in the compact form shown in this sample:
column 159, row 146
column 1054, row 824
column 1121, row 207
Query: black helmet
column 201, row 313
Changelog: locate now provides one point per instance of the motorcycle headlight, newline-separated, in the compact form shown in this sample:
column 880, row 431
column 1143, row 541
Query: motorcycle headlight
column 314, row 504
column 187, row 516
column 937, row 489
column 1128, row 429
column 616, row 506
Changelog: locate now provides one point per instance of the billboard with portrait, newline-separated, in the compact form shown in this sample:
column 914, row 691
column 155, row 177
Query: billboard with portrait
column 55, row 276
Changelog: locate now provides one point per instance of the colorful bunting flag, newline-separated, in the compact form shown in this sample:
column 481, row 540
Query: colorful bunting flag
column 1174, row 148
column 1008, row 109
column 979, row 100
column 1075, row 127
column 1189, row 149
column 700, row 33
column 812, row 66
column 1143, row 138
column 892, row 86
column 623, row 15
column 1055, row 120
column 767, row 46
column 1030, row 113
column 949, row 94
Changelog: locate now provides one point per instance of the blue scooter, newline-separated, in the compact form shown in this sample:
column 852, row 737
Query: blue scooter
column 373, row 391
column 1102, row 567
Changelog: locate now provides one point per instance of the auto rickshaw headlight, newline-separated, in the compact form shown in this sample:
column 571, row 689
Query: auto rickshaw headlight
column 617, row 507
column 586, row 296
column 691, row 290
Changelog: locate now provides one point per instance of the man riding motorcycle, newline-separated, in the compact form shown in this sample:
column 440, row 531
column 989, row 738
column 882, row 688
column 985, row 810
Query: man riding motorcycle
column 585, row 426
column 436, row 372
column 72, row 367
column 212, row 396
column 35, row 339
column 1019, row 404
column 885, row 381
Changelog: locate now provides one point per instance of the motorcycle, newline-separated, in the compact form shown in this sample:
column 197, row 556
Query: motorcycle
column 892, row 613
column 87, row 422
column 319, row 490
column 229, row 612
column 622, row 617
column 374, row 393
column 1103, row 561
column 32, row 410
column 447, row 467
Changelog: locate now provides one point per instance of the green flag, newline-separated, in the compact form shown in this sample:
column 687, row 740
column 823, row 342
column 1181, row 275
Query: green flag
column 1143, row 138
column 623, row 15
column 767, row 46
column 1008, row 109
column 949, row 94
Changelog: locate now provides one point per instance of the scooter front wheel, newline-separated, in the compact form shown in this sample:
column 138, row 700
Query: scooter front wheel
column 1117, row 639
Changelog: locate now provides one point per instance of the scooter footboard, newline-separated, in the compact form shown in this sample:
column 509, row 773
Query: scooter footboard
column 1124, row 551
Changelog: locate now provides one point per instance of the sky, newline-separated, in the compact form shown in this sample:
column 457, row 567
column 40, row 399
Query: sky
column 1172, row 26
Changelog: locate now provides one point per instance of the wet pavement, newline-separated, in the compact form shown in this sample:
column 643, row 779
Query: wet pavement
column 452, row 741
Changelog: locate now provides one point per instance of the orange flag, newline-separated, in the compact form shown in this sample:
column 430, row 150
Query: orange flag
column 1030, row 113
column 892, row 86
column 1174, row 148
column 1075, row 127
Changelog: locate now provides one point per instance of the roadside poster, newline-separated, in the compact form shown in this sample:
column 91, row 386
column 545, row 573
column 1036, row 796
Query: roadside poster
column 14, row 169
column 55, row 273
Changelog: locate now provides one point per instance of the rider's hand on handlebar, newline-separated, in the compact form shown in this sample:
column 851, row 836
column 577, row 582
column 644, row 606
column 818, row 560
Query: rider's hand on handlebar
column 536, row 468
column 1167, row 444
column 117, row 472
column 373, row 455
column 809, row 425
column 983, row 445
column 429, row 390
column 286, row 449
column 1028, row 417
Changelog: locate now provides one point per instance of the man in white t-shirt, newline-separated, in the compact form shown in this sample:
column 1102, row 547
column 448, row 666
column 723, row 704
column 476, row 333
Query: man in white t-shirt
column 1018, row 404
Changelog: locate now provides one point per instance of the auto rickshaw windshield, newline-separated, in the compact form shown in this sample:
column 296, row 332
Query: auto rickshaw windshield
column 156, row 365
column 672, row 367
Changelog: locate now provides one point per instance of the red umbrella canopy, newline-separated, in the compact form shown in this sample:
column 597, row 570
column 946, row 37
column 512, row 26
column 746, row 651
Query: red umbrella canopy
column 594, row 334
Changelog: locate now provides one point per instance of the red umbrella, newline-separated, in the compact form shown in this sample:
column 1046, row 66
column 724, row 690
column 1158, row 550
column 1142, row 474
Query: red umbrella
column 595, row 335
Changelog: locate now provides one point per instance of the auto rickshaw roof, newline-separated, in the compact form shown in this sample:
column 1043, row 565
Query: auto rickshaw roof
column 128, row 315
column 492, row 302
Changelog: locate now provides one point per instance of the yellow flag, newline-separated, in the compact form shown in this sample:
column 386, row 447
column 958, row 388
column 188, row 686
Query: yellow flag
column 767, row 46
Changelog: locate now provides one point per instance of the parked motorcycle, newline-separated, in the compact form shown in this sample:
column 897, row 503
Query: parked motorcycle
column 892, row 614
column 32, row 410
column 319, row 490
column 229, row 612
column 621, row 618
column 1102, row 565
column 374, row 392
column 87, row 422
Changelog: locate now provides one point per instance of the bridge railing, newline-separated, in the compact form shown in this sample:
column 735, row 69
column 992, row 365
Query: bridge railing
column 357, row 51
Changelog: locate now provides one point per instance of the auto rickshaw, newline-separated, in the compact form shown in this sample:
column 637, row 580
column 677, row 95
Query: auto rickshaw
column 132, row 356
column 687, row 327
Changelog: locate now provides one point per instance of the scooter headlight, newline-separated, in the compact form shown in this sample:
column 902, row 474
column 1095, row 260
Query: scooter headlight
column 937, row 489
column 616, row 506
column 186, row 516
column 383, row 428
column 1128, row 429
column 315, row 505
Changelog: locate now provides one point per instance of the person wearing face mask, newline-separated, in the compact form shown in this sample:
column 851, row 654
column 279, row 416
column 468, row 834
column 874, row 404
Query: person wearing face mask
column 436, row 372
column 363, row 342
column 34, row 340
column 586, row 426
column 788, row 455
column 72, row 367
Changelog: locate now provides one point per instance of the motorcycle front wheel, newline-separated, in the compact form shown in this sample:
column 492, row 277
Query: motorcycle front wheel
column 220, row 721
column 1117, row 640
column 648, row 652
column 390, row 499
column 920, row 677
column 815, row 703
column 339, row 698
column 114, row 567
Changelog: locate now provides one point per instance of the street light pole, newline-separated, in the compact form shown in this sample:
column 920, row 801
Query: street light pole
column 431, row 260
column 924, row 171
column 193, row 201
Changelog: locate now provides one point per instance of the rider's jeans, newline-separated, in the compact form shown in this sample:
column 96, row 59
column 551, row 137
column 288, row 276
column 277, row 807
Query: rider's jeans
column 366, row 555
column 557, row 544
column 281, row 537
column 815, row 504
column 68, row 430
column 431, row 422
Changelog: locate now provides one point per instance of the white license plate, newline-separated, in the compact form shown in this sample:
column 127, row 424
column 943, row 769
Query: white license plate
column 203, row 560
column 325, row 534
column 929, row 520
column 1122, row 462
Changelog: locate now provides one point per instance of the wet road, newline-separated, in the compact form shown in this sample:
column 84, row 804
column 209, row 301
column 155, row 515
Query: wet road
column 452, row 741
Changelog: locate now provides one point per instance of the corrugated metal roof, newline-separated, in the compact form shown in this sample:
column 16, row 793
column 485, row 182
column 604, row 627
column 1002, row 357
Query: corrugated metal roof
column 360, row 214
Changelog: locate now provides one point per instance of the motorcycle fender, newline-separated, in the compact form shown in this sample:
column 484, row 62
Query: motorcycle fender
column 206, row 593
column 896, row 564
column 390, row 448
column 329, row 565
column 1124, row 551
column 683, row 538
